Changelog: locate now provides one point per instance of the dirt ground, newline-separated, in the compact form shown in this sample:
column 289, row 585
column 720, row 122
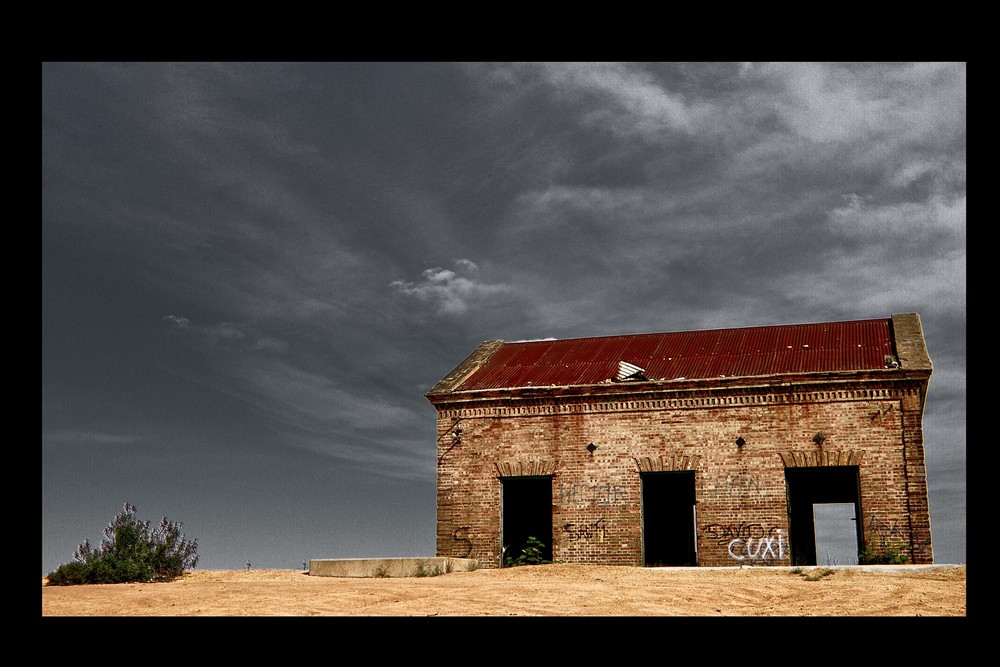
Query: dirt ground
column 538, row 590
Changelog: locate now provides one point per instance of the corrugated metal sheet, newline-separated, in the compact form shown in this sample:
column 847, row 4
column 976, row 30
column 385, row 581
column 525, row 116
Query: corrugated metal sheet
column 795, row 348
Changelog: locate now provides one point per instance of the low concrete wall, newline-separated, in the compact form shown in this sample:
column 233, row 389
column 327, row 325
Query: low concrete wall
column 389, row 567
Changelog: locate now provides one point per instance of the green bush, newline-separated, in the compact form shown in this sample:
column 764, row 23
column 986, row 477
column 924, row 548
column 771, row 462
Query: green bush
column 881, row 551
column 887, row 555
column 530, row 555
column 130, row 552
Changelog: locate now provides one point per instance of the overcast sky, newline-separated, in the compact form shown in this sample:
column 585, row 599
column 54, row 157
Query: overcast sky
column 252, row 273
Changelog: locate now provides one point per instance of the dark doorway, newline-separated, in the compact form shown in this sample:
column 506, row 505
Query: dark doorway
column 669, row 537
column 809, row 487
column 526, row 512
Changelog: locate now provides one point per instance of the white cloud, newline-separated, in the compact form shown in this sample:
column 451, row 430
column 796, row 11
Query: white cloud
column 830, row 102
column 633, row 101
column 821, row 106
column 448, row 291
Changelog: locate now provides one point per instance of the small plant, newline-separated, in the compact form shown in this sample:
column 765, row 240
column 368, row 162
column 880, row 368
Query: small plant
column 816, row 575
column 131, row 551
column 796, row 570
column 887, row 555
column 532, row 554
column 474, row 565
column 880, row 549
column 381, row 571
column 424, row 569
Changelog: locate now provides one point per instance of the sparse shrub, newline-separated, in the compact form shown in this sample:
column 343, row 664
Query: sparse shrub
column 816, row 575
column 424, row 569
column 130, row 552
column 381, row 571
column 532, row 554
column 886, row 555
column 880, row 549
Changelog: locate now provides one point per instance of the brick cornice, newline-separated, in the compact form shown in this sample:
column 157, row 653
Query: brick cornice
column 651, row 401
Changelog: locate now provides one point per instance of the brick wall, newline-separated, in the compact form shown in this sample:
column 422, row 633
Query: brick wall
column 740, row 491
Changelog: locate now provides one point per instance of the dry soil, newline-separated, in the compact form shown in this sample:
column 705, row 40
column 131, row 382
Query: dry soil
column 538, row 590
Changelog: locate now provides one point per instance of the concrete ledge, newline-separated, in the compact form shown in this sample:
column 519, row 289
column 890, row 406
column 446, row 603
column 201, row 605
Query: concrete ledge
column 804, row 568
column 390, row 567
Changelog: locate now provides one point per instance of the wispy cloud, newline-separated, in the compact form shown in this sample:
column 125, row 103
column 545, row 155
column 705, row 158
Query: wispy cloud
column 84, row 437
column 858, row 103
column 889, row 258
column 451, row 292
column 627, row 101
column 224, row 333
column 353, row 415
column 939, row 219
column 624, row 99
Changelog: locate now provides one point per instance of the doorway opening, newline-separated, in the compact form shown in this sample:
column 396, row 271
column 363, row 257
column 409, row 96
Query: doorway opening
column 669, row 523
column 526, row 511
column 824, row 504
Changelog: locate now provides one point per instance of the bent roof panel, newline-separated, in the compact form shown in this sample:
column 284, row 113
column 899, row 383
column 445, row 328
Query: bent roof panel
column 796, row 348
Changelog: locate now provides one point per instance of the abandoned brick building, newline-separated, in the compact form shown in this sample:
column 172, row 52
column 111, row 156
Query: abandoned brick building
column 708, row 448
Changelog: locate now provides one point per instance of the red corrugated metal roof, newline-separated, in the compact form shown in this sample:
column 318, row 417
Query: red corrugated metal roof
column 794, row 348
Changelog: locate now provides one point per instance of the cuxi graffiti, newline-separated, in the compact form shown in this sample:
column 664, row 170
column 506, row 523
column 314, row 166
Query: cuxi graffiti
column 748, row 541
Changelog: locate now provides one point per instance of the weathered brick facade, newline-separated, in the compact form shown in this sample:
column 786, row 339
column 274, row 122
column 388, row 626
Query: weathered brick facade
column 596, row 443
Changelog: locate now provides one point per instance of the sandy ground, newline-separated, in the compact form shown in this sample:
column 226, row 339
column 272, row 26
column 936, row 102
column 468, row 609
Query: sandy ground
column 539, row 590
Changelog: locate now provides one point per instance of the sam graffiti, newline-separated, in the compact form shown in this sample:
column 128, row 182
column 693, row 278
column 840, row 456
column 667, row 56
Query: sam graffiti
column 591, row 531
column 601, row 495
column 748, row 541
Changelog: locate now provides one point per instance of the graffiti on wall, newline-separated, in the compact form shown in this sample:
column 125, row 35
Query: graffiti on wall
column 743, row 484
column 466, row 549
column 921, row 544
column 883, row 530
column 596, row 530
column 748, row 541
column 601, row 495
column 886, row 539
